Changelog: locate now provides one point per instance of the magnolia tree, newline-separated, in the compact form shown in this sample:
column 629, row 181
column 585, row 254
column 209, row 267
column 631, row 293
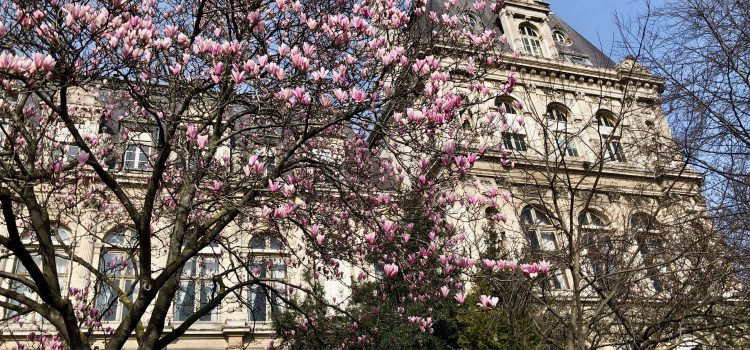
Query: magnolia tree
column 162, row 161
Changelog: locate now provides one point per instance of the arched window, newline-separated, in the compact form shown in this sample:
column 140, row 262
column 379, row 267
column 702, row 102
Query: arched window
column 117, row 262
column 514, row 138
column 266, row 263
column 650, row 247
column 560, row 37
column 557, row 114
column 612, row 148
column 531, row 42
column 598, row 243
column 196, row 284
column 62, row 265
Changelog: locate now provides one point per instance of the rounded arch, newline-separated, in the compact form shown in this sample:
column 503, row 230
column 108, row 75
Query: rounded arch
column 558, row 112
column 29, row 236
column 121, row 237
column 606, row 118
column 592, row 219
column 528, row 29
column 561, row 36
column 534, row 215
column 510, row 104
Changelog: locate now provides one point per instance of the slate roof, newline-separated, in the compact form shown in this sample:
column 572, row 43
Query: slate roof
column 579, row 45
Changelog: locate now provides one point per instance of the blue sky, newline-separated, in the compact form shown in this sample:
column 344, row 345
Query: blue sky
column 595, row 19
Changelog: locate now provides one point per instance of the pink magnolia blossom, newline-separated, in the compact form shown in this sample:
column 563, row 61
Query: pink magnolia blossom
column 487, row 302
column 370, row 237
column 444, row 291
column 82, row 157
column 390, row 270
column 202, row 141
column 460, row 298
column 216, row 186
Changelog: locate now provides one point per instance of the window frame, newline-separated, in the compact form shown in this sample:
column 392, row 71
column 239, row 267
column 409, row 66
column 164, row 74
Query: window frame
column 273, row 251
column 124, row 281
column 559, row 33
column 201, row 280
column 565, row 144
column 18, row 268
column 650, row 245
column 532, row 41
column 599, row 248
column 138, row 164
column 613, row 150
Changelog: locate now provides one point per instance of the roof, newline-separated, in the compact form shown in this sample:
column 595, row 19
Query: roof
column 579, row 45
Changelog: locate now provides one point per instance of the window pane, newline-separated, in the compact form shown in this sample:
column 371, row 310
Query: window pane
column 209, row 267
column 278, row 270
column 206, row 294
column 21, row 268
column 184, row 300
column 106, row 302
column 61, row 265
column 548, row 241
column 130, row 155
column 73, row 152
column 143, row 153
column 275, row 243
column 257, row 304
column 258, row 269
column 258, row 243
column 189, row 269
column 541, row 217
column 533, row 239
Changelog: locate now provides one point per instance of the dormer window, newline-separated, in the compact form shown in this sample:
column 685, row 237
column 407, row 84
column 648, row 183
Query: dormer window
column 576, row 59
column 532, row 44
column 473, row 23
column 560, row 37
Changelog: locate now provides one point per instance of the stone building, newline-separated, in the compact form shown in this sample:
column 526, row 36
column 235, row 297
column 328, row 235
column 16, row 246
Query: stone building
column 597, row 189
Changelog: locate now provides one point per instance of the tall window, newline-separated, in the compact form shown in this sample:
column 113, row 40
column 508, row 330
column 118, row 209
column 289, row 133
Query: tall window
column 117, row 262
column 531, row 42
column 512, row 141
column 598, row 243
column 612, row 148
column 265, row 262
column 196, row 286
column 541, row 235
column 62, row 266
column 650, row 247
